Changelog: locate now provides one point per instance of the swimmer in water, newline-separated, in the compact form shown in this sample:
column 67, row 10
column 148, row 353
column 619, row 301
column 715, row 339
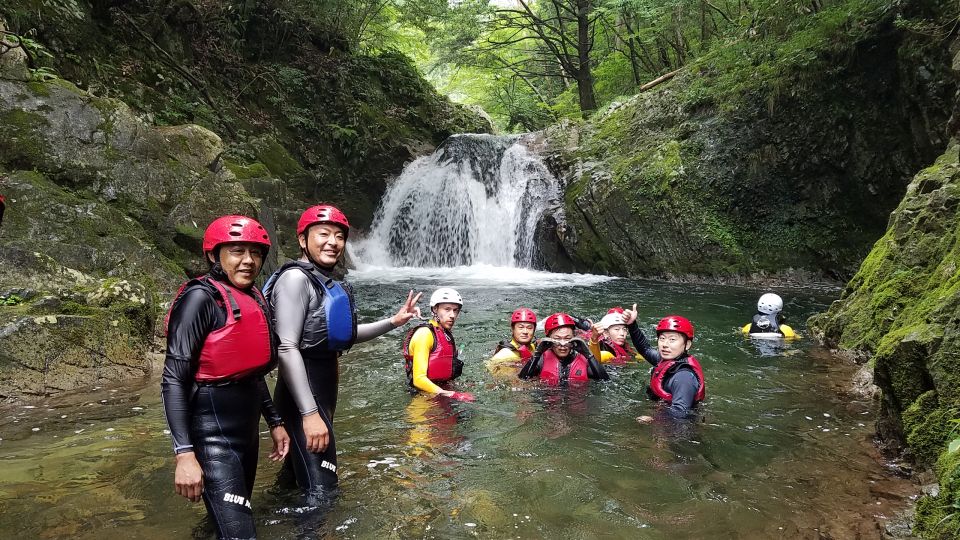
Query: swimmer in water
column 677, row 377
column 431, row 358
column 768, row 321
column 562, row 358
column 511, row 354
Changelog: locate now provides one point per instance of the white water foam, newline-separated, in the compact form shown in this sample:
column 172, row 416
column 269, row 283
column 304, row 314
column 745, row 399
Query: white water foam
column 474, row 275
column 476, row 200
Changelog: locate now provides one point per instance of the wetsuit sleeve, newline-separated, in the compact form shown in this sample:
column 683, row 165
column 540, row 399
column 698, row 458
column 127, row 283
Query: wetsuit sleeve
column 595, row 370
column 368, row 331
column 535, row 364
column 640, row 343
column 291, row 297
column 595, row 348
column 194, row 315
column 420, row 344
column 267, row 409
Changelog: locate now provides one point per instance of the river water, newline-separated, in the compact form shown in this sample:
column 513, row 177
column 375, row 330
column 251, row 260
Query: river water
column 781, row 449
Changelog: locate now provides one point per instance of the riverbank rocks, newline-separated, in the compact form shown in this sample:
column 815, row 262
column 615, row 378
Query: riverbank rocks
column 104, row 219
column 71, row 330
column 903, row 308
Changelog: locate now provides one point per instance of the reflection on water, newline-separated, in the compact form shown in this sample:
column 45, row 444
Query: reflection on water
column 778, row 451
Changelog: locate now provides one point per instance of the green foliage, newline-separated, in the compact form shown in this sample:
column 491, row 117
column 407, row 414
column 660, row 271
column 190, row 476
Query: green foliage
column 11, row 300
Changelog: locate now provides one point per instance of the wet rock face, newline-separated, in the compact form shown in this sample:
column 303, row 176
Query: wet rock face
column 61, row 329
column 903, row 307
column 102, row 218
column 804, row 180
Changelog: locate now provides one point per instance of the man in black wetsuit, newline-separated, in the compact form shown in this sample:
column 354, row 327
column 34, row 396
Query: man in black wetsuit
column 219, row 347
column 677, row 377
column 560, row 357
column 316, row 322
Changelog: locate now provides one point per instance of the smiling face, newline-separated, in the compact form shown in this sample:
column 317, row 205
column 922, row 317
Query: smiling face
column 523, row 332
column 446, row 314
column 616, row 333
column 324, row 242
column 563, row 335
column 672, row 344
column 241, row 262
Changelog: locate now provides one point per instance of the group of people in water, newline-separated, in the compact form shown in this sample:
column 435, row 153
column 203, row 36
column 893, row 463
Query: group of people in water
column 224, row 335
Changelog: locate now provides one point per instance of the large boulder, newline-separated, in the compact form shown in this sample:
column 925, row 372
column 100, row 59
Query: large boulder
column 105, row 216
column 62, row 329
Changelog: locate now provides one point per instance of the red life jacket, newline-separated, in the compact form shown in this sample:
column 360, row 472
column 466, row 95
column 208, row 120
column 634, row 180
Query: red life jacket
column 242, row 345
column 621, row 353
column 659, row 373
column 443, row 364
column 551, row 369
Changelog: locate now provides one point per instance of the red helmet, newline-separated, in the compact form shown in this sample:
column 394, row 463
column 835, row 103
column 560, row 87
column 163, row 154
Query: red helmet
column 617, row 309
column 676, row 323
column 322, row 213
column 556, row 321
column 234, row 229
column 523, row 315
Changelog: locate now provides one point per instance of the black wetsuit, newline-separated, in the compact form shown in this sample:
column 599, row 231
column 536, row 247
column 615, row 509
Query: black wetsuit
column 217, row 421
column 534, row 366
column 764, row 323
column 310, row 374
column 680, row 381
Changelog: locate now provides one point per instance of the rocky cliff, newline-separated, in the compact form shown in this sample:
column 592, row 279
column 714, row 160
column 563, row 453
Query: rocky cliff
column 902, row 312
column 125, row 127
column 730, row 172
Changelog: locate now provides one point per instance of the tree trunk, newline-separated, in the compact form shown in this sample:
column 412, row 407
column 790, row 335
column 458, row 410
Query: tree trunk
column 584, row 76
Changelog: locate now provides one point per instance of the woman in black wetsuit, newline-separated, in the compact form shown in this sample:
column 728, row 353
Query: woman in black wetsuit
column 316, row 322
column 219, row 347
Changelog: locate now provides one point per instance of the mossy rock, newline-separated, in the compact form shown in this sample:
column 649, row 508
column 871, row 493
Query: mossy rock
column 47, row 354
column 939, row 516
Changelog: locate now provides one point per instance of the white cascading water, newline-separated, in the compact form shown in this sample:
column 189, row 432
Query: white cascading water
column 475, row 201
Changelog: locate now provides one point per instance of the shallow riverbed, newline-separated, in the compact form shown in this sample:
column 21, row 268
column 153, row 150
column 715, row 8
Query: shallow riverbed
column 781, row 449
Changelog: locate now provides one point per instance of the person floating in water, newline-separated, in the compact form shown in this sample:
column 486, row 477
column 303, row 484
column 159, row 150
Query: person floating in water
column 511, row 355
column 768, row 321
column 219, row 347
column 677, row 377
column 430, row 353
column 316, row 322
column 560, row 357
column 608, row 339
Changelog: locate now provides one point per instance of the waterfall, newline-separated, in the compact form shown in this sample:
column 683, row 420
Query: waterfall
column 476, row 200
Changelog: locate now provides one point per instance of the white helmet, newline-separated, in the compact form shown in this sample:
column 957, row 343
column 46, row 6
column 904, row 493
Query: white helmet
column 611, row 319
column 770, row 304
column 445, row 295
